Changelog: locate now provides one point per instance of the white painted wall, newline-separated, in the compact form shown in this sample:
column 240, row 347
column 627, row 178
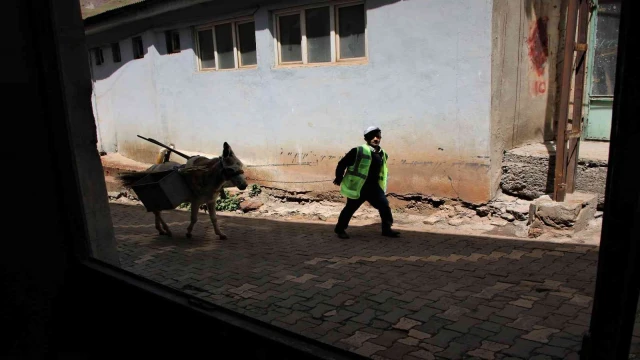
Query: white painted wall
column 427, row 84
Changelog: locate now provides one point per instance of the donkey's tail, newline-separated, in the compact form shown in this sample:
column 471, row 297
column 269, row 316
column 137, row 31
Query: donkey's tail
column 129, row 178
column 164, row 155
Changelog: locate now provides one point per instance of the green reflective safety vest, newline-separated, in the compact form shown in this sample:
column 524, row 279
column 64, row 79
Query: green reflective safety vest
column 357, row 173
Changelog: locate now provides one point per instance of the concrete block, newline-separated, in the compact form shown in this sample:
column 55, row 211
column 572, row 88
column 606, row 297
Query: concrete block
column 527, row 172
column 572, row 214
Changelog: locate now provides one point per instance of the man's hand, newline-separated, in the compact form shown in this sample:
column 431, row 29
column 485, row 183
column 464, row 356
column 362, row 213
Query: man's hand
column 337, row 181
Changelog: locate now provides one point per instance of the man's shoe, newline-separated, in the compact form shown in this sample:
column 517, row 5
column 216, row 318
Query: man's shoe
column 342, row 234
column 390, row 233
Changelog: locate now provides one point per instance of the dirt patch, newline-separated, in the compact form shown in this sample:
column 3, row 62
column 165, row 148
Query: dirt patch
column 115, row 160
column 396, row 203
column 452, row 219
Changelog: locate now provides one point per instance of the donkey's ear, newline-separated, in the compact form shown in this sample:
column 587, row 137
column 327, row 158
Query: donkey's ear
column 227, row 150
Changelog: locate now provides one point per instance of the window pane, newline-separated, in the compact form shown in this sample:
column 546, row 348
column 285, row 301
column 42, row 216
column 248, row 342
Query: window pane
column 172, row 39
column 318, row 32
column 351, row 30
column 247, row 36
column 290, row 38
column 176, row 41
column 138, row 50
column 224, row 44
column 205, row 41
column 98, row 55
column 606, row 49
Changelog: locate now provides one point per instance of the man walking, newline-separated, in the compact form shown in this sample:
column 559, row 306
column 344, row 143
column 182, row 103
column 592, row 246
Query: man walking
column 365, row 180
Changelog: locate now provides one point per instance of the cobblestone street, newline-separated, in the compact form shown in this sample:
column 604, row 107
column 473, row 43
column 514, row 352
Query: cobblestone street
column 422, row 296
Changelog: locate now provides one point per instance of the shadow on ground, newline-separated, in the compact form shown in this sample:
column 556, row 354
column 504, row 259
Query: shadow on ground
column 423, row 295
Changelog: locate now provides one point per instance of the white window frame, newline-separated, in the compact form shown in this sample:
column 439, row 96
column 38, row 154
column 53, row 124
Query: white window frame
column 236, row 26
column 235, row 38
column 303, row 33
column 334, row 8
column 337, row 33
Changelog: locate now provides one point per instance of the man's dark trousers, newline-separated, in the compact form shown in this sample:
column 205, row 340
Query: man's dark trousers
column 372, row 193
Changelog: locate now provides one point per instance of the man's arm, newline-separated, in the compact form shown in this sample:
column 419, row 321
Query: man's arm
column 346, row 161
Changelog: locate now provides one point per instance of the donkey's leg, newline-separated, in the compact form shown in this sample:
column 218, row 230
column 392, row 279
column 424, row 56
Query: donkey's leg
column 212, row 215
column 158, row 227
column 194, row 218
column 164, row 230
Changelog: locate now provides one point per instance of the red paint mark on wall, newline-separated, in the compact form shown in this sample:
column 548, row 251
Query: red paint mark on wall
column 539, row 87
column 538, row 41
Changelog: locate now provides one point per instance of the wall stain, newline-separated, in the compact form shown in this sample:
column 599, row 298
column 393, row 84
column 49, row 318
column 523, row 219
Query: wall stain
column 538, row 41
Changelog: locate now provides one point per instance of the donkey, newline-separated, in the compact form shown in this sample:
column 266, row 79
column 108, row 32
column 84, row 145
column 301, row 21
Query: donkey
column 206, row 178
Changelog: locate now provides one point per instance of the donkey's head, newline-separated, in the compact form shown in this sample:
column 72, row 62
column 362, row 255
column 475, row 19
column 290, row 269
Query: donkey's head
column 233, row 168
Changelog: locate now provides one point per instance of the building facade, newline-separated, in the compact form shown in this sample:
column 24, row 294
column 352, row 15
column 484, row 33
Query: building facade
column 292, row 85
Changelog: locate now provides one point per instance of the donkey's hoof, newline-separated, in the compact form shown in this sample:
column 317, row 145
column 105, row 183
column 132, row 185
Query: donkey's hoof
column 223, row 237
column 162, row 233
column 188, row 236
